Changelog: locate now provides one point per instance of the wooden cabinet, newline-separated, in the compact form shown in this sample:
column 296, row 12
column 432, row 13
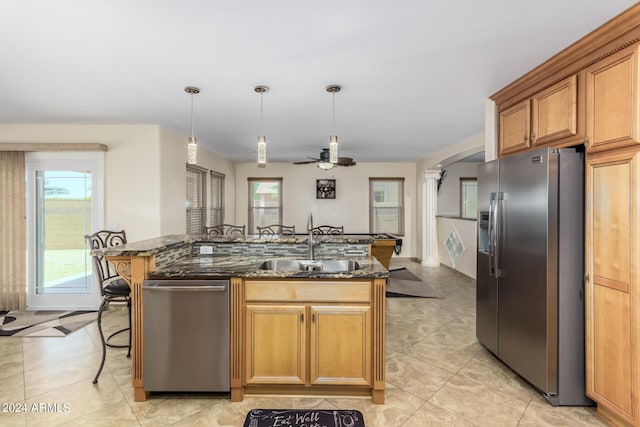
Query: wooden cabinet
column 612, row 291
column 550, row 115
column 515, row 126
column 276, row 342
column 612, row 101
column 340, row 343
column 339, row 338
column 311, row 336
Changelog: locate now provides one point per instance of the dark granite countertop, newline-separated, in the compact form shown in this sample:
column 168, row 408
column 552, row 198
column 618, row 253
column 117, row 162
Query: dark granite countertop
column 219, row 267
column 159, row 244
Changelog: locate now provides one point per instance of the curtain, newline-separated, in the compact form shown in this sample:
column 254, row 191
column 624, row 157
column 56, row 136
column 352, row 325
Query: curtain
column 13, row 240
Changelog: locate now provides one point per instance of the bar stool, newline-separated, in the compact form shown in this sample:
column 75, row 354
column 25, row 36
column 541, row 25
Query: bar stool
column 112, row 287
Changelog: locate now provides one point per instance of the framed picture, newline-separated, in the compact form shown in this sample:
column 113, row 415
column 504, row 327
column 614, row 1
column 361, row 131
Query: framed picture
column 325, row 188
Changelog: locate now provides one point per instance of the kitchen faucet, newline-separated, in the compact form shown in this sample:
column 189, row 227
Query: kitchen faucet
column 310, row 239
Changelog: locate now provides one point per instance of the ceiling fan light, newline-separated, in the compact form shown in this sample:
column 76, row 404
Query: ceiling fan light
column 333, row 149
column 262, row 151
column 326, row 165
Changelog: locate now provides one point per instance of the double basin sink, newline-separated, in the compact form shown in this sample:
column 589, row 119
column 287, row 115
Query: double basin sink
column 327, row 265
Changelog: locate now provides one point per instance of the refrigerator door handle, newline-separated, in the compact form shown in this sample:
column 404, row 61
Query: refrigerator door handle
column 499, row 197
column 491, row 232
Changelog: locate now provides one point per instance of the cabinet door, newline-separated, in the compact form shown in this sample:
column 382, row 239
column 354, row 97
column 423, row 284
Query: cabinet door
column 612, row 294
column 612, row 101
column 340, row 345
column 554, row 112
column 275, row 344
column 514, row 128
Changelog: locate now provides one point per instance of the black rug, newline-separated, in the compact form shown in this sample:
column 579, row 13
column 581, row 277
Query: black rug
column 403, row 283
column 43, row 323
column 303, row 418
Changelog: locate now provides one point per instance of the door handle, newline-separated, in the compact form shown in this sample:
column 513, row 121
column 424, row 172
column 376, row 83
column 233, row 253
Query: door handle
column 186, row 288
column 491, row 233
column 498, row 223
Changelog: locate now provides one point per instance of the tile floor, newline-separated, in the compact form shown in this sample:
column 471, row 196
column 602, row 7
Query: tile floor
column 437, row 375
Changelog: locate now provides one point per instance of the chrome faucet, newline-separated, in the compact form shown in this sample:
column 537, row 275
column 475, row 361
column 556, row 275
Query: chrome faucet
column 310, row 239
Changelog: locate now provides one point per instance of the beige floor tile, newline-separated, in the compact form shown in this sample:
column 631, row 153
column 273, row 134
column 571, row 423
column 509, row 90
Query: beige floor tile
column 450, row 349
column 169, row 409
column 39, row 352
column 477, row 402
column 416, row 377
column 433, row 416
column 12, row 387
column 399, row 406
column 487, row 370
column 13, row 414
column 219, row 413
column 66, row 404
column 48, row 377
column 117, row 415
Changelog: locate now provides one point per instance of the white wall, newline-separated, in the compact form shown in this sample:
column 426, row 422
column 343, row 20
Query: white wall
column 466, row 229
column 144, row 172
column 350, row 208
column 449, row 194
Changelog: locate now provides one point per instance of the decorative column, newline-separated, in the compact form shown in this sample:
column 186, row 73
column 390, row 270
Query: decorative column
column 429, row 224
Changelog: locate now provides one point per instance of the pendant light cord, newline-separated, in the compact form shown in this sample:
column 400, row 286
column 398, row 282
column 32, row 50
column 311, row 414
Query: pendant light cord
column 261, row 96
column 192, row 115
column 333, row 95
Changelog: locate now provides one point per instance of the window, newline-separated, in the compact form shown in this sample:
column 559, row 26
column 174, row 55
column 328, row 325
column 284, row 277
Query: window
column 386, row 205
column 196, row 199
column 216, row 208
column 265, row 202
column 468, row 197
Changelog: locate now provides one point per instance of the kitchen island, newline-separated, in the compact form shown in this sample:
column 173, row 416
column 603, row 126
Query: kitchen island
column 329, row 328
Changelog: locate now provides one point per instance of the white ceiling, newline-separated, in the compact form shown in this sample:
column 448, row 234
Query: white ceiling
column 415, row 73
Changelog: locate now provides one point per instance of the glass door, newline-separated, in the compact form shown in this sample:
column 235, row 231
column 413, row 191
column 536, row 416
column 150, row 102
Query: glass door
column 64, row 205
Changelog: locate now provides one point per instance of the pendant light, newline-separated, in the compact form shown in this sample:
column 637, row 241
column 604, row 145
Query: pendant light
column 262, row 140
column 333, row 139
column 192, row 147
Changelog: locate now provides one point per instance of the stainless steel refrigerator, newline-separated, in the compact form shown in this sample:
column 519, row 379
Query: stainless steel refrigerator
column 530, row 299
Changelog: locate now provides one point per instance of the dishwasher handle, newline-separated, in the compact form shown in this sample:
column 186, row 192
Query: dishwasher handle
column 221, row 288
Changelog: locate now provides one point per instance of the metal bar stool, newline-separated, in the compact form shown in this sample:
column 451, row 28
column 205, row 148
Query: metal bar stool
column 112, row 287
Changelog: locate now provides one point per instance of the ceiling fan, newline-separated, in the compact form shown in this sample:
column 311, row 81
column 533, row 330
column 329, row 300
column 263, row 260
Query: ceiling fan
column 324, row 163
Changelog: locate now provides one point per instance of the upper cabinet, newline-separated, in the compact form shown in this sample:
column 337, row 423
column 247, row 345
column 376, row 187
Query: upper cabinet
column 514, row 128
column 554, row 113
column 549, row 116
column 612, row 101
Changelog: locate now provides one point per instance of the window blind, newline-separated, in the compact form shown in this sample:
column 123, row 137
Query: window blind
column 216, row 207
column 196, row 199
column 386, row 205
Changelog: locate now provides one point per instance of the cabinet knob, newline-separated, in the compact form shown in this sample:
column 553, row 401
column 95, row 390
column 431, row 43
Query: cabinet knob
column 533, row 136
column 313, row 317
column 302, row 317
column 524, row 139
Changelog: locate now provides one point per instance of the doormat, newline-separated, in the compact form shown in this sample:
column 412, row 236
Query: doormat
column 403, row 283
column 303, row 418
column 43, row 323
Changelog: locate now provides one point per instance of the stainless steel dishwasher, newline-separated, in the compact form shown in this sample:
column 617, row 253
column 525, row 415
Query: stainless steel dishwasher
column 186, row 335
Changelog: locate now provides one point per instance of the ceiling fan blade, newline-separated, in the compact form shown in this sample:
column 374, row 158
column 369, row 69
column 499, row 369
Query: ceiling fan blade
column 305, row 162
column 345, row 161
